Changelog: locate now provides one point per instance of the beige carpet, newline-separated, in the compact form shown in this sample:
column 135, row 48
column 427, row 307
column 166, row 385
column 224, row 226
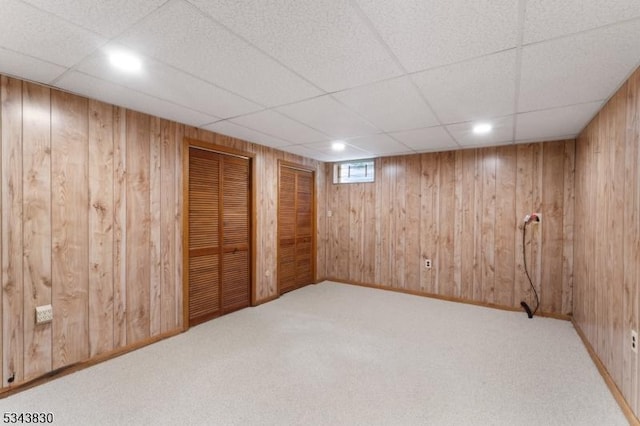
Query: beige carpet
column 334, row 354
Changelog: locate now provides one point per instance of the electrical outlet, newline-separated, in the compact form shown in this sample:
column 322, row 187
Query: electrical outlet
column 634, row 341
column 44, row 314
column 533, row 218
column 329, row 213
column 427, row 263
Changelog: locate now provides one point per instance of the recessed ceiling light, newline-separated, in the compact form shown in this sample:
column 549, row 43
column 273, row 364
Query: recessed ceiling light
column 337, row 146
column 482, row 128
column 125, row 61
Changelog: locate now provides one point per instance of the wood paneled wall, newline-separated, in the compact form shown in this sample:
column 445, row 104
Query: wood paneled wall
column 91, row 208
column 464, row 210
column 607, row 236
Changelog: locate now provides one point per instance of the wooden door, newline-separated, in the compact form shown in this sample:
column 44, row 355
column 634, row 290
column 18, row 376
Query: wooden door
column 219, row 234
column 296, row 230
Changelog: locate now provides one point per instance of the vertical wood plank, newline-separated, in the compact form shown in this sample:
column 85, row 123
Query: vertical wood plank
column 12, row 249
column 398, row 224
column 168, row 283
column 341, row 214
column 119, row 228
column 568, row 224
column 446, row 224
column 600, row 246
column 332, row 226
column 100, row 228
column 524, row 205
column 263, row 274
column 138, row 226
column 551, row 227
column 69, row 225
column 458, row 226
column 488, row 224
column 590, row 225
column 579, row 274
column 505, row 225
column 534, row 233
column 478, row 186
column 155, row 249
column 615, row 322
column 356, row 227
column 178, row 224
column 467, row 243
column 36, row 189
column 412, row 223
column 386, row 213
column 369, row 238
column 427, row 222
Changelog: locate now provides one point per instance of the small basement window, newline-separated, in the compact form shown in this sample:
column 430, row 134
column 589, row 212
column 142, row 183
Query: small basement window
column 354, row 171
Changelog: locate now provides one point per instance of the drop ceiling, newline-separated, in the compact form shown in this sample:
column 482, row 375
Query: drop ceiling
column 386, row 77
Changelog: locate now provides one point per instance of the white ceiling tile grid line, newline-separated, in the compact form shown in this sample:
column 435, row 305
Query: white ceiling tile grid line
column 522, row 10
column 257, row 48
column 393, row 55
column 65, row 87
column 413, row 77
column 43, row 3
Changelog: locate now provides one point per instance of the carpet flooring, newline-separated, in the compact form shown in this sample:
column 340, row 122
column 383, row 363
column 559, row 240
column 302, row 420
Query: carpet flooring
column 335, row 354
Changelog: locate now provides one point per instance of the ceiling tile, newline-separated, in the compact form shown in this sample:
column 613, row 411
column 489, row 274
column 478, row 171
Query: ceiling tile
column 502, row 133
column 326, row 41
column 577, row 69
column 482, row 87
column 545, row 19
column 429, row 33
column 55, row 40
column 550, row 123
column 276, row 124
column 329, row 116
column 95, row 88
column 180, row 35
column 26, row 67
column 390, row 105
column 379, row 145
column 165, row 82
column 429, row 139
column 350, row 152
column 108, row 18
column 231, row 129
column 307, row 152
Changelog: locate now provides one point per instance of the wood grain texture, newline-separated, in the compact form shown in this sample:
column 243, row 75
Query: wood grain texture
column 178, row 224
column 138, row 260
column 462, row 210
column 112, row 242
column 100, row 228
column 505, row 235
column 36, row 189
column 155, row 249
column 69, row 226
column 607, row 201
column 12, row 267
column 168, row 290
column 120, row 228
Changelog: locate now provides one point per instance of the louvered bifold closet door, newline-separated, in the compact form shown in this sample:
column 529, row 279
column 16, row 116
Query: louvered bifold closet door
column 204, row 234
column 219, row 234
column 295, row 228
column 304, row 237
column 287, row 230
column 235, row 231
